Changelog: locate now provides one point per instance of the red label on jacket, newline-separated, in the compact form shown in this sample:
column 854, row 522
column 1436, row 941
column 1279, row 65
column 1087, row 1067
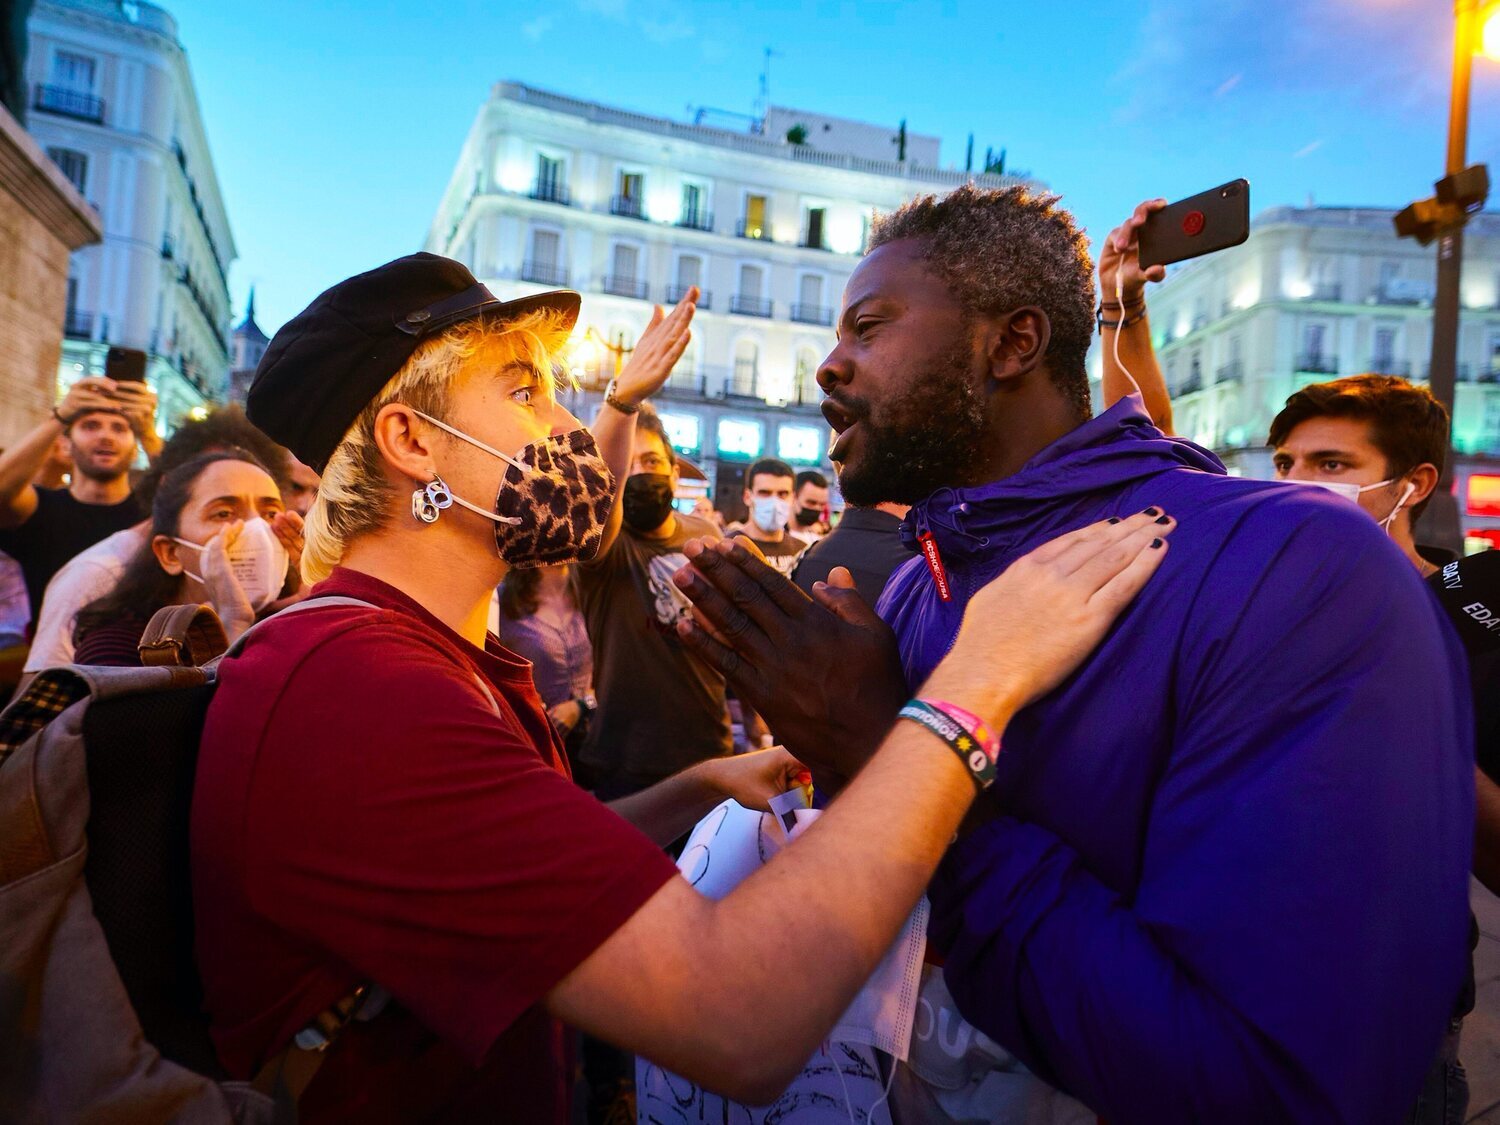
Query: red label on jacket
column 935, row 564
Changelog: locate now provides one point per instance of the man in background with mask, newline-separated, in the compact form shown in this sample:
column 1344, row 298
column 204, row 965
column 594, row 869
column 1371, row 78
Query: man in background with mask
column 1374, row 439
column 660, row 708
column 810, row 506
column 768, row 495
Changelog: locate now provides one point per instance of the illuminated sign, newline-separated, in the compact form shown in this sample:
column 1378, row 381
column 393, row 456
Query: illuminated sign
column 739, row 438
column 684, row 431
column 800, row 443
column 1484, row 494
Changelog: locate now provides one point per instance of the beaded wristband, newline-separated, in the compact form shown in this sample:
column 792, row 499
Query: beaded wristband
column 966, row 734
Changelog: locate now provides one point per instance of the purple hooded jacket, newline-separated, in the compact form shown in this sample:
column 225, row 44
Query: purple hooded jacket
column 1225, row 874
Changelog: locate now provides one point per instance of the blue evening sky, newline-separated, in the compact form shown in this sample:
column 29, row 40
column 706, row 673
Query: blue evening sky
column 335, row 125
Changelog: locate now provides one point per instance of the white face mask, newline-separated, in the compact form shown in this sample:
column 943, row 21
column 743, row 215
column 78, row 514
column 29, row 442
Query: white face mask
column 1353, row 492
column 257, row 560
column 770, row 513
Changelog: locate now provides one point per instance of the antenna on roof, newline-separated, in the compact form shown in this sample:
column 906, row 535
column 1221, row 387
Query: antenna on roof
column 763, row 102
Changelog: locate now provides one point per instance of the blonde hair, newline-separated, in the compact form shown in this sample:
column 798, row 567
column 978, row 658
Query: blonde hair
column 355, row 496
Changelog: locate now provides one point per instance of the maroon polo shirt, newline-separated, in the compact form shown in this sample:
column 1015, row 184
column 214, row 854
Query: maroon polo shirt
column 364, row 811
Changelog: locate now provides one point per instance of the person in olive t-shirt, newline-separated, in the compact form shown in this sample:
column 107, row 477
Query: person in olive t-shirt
column 659, row 708
column 42, row 528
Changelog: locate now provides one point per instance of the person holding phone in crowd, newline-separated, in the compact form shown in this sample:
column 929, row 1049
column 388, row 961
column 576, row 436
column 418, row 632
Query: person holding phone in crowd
column 104, row 423
column 380, row 797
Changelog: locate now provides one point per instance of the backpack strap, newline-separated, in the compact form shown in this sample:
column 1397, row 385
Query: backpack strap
column 182, row 636
column 296, row 607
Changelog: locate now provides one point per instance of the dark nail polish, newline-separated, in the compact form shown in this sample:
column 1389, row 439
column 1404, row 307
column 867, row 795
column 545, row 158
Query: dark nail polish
column 1155, row 543
column 1163, row 519
column 1152, row 512
column 1114, row 519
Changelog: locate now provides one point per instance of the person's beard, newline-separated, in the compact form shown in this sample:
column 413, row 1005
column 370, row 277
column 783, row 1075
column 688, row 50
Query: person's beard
column 84, row 465
column 929, row 437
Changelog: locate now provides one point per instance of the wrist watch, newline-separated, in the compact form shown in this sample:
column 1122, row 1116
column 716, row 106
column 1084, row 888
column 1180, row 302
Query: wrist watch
column 610, row 399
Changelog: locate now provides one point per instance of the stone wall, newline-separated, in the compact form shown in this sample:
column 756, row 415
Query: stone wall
column 42, row 220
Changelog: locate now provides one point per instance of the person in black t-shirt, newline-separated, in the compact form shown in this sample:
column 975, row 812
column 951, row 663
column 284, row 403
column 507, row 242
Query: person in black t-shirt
column 866, row 542
column 104, row 422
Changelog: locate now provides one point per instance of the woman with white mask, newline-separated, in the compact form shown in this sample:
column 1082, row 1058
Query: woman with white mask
column 218, row 538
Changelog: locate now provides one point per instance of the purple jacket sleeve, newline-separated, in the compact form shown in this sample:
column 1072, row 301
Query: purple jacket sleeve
column 1298, row 934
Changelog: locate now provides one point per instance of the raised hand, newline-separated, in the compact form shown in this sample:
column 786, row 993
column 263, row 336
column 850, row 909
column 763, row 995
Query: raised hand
column 1120, row 258
column 660, row 347
column 224, row 591
column 825, row 675
column 87, row 395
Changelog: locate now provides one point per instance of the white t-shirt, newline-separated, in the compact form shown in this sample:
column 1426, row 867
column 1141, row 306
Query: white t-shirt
column 88, row 575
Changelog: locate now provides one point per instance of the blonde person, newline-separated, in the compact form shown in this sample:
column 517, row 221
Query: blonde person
column 380, row 797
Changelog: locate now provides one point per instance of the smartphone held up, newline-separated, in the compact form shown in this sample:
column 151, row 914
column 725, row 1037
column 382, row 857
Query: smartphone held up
column 1211, row 220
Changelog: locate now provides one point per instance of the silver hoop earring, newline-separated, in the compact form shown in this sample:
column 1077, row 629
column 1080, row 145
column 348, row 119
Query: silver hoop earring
column 423, row 509
column 438, row 494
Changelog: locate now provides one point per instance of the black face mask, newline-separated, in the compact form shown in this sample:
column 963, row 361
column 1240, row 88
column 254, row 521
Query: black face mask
column 806, row 517
column 647, row 500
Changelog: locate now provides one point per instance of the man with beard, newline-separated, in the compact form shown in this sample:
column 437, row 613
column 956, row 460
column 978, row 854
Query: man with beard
column 103, row 421
column 1222, row 873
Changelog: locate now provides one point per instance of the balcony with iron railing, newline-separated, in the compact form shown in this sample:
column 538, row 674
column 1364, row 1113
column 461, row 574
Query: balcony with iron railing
column 1191, row 385
column 813, row 240
column 759, row 231
column 696, row 220
column 1325, row 291
column 750, row 306
column 1489, row 375
column 628, row 206
column 544, row 273
column 743, row 381
column 1385, row 365
column 812, row 314
column 1315, row 363
column 625, row 287
column 68, row 103
column 676, row 292
column 685, row 384
column 78, row 325
column 1231, row 372
column 551, row 191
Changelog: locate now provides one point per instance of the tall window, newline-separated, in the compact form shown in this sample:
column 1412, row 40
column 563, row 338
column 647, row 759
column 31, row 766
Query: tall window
column 545, row 245
column 632, row 186
column 755, row 216
column 689, row 272
column 549, row 176
column 73, row 72
column 810, row 291
column 74, row 165
column 626, row 260
column 816, row 218
column 1385, row 348
column 1313, row 338
column 807, row 375
column 694, row 205
column 746, row 364
column 751, row 280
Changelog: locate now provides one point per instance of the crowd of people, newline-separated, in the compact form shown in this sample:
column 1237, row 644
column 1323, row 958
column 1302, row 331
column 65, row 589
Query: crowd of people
column 1186, row 764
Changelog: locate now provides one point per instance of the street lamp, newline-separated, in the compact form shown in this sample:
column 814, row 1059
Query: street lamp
column 1460, row 192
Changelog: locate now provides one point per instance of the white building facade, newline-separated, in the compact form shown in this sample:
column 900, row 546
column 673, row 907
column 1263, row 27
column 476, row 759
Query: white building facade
column 632, row 210
column 113, row 104
column 1315, row 294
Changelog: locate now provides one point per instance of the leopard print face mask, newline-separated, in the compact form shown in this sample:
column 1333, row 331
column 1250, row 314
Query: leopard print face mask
column 553, row 502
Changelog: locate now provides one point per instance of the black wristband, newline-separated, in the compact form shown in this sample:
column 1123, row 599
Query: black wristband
column 1126, row 322
column 63, row 422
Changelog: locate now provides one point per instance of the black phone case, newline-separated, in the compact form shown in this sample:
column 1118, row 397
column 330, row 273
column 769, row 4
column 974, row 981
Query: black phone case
column 1211, row 220
column 125, row 365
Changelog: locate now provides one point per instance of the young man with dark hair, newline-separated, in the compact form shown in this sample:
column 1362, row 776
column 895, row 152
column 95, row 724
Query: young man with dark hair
column 1243, row 827
column 810, row 506
column 660, row 709
column 103, row 422
column 1375, row 439
column 768, row 494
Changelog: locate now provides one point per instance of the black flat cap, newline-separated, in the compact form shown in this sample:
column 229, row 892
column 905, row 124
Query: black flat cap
column 328, row 362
